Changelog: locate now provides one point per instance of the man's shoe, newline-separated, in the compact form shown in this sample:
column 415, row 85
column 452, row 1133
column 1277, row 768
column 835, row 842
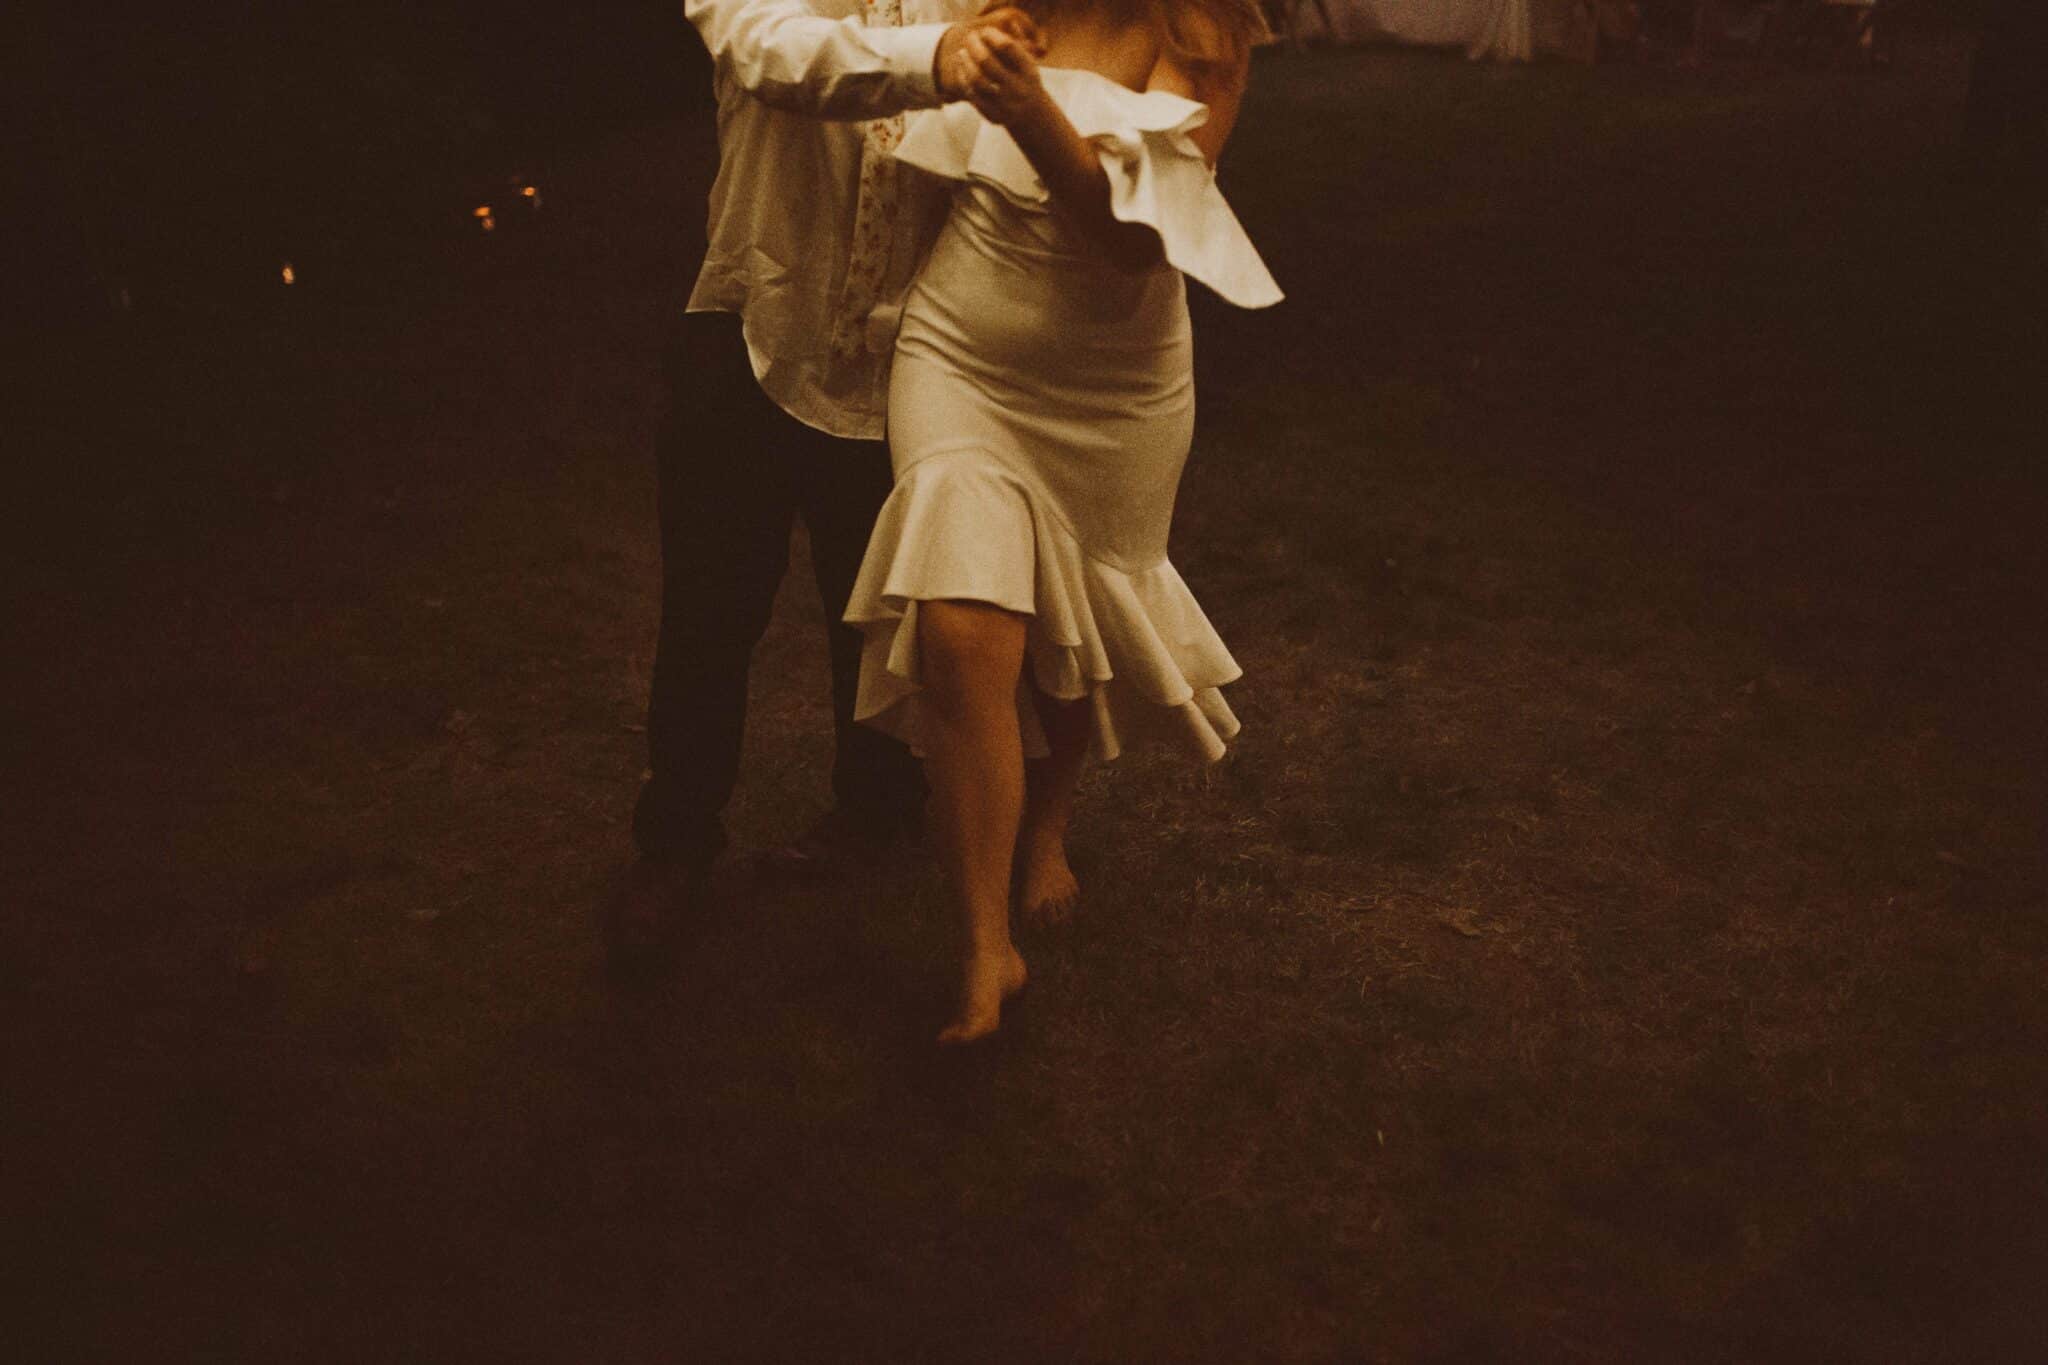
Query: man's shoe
column 654, row 913
column 836, row 843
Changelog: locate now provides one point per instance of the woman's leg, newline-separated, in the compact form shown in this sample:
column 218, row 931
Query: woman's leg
column 972, row 655
column 1049, row 892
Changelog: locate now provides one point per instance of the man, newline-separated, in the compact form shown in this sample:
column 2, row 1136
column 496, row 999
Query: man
column 778, row 386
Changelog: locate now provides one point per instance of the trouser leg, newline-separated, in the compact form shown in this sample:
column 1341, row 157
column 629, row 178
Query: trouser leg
column 727, row 498
column 875, row 780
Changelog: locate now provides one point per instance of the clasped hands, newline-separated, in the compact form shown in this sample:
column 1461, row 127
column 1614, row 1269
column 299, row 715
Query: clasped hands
column 991, row 61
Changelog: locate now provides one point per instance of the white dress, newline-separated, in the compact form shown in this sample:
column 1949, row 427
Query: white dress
column 1040, row 411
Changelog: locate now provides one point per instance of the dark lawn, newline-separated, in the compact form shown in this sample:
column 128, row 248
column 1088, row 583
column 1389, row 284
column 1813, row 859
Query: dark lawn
column 1619, row 935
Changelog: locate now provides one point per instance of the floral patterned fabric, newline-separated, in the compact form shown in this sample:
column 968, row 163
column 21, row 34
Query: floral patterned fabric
column 874, row 218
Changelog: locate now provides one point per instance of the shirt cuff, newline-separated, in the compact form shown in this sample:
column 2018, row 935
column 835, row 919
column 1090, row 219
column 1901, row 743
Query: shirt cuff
column 910, row 50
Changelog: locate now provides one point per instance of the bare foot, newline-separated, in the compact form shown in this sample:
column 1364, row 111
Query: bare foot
column 989, row 980
column 1049, row 893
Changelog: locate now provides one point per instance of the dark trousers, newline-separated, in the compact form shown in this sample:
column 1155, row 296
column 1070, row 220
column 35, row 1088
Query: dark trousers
column 735, row 471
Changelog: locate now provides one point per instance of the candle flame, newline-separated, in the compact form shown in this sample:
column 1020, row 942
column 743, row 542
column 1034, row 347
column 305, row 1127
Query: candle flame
column 289, row 275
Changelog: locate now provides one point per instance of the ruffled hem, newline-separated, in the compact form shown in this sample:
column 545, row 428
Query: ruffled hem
column 1158, row 177
column 1136, row 646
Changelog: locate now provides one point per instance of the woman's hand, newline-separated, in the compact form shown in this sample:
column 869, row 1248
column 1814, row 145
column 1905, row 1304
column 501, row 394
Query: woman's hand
column 999, row 76
column 952, row 74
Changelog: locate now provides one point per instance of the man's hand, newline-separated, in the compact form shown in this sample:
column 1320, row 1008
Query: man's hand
column 969, row 54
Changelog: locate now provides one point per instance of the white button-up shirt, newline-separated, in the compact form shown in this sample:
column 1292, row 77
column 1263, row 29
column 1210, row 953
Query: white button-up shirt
column 795, row 79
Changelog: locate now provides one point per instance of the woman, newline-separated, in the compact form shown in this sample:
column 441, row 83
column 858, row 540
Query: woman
column 1016, row 597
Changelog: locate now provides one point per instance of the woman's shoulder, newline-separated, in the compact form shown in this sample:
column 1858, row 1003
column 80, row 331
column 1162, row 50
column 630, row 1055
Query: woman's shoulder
column 1206, row 45
column 1122, row 51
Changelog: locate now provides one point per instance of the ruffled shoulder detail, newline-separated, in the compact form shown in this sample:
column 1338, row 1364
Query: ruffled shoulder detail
column 1157, row 175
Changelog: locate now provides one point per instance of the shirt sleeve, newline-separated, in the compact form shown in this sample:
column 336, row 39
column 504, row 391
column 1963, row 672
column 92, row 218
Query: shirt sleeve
column 787, row 55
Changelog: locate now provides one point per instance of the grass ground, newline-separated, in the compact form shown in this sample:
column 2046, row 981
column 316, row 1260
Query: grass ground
column 1619, row 935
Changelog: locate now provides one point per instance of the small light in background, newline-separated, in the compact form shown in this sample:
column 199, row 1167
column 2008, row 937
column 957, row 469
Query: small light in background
column 288, row 275
column 484, row 220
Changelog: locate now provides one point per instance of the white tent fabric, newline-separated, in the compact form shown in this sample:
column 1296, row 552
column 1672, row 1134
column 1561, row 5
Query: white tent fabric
column 1498, row 30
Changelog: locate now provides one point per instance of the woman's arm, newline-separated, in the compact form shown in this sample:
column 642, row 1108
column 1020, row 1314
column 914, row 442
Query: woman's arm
column 1004, row 85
